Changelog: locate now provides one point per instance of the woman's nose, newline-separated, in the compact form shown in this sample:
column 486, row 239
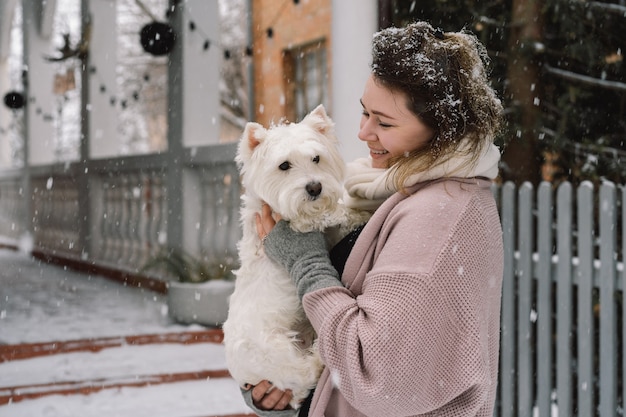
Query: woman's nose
column 365, row 131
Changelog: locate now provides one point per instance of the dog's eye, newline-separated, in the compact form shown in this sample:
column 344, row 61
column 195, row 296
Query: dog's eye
column 316, row 159
column 284, row 166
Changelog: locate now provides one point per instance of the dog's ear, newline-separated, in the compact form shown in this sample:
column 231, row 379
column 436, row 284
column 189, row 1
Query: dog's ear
column 319, row 120
column 252, row 136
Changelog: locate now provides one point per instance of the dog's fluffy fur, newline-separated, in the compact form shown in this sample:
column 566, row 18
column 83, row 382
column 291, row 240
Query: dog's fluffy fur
column 296, row 168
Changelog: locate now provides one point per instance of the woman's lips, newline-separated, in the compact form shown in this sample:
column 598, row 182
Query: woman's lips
column 378, row 154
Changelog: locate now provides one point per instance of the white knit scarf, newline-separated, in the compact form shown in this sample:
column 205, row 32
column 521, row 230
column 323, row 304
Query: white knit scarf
column 366, row 187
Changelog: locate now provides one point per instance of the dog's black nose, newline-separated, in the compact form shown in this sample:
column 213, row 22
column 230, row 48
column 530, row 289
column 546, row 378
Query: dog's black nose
column 314, row 189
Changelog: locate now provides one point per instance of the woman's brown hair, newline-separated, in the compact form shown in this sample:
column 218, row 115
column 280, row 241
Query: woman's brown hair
column 444, row 79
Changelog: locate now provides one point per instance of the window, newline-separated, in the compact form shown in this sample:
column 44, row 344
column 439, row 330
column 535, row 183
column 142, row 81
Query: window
column 306, row 79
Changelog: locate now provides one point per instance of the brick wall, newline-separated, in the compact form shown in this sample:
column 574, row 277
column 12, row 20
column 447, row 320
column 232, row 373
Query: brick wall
column 292, row 25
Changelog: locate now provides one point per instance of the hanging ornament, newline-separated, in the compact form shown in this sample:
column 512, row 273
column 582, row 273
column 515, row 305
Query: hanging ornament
column 14, row 100
column 157, row 38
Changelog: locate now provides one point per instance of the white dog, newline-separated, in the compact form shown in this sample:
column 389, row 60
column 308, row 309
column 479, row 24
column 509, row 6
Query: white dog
column 296, row 169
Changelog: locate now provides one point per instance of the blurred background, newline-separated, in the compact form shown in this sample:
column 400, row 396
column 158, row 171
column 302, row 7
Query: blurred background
column 120, row 121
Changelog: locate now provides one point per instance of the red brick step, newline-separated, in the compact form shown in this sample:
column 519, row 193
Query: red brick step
column 13, row 394
column 31, row 350
column 19, row 393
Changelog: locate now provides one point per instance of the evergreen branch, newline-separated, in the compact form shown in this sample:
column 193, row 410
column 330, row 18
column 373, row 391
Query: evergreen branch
column 585, row 79
column 608, row 7
column 593, row 149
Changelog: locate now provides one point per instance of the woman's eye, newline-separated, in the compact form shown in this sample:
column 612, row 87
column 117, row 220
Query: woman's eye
column 284, row 166
column 316, row 159
column 384, row 124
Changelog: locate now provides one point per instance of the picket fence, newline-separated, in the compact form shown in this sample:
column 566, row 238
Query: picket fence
column 562, row 301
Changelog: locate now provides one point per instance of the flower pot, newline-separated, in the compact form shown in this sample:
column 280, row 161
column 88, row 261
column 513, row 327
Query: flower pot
column 203, row 303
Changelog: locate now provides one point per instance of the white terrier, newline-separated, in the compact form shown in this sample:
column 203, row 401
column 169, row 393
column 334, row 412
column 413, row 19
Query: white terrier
column 296, row 168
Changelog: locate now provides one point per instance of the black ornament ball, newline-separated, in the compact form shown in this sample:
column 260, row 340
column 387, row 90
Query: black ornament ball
column 157, row 38
column 14, row 100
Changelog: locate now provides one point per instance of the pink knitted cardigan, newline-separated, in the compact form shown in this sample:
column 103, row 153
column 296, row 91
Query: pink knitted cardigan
column 416, row 329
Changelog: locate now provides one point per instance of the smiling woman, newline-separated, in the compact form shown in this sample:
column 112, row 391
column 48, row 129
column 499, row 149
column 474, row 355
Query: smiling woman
column 394, row 132
column 429, row 261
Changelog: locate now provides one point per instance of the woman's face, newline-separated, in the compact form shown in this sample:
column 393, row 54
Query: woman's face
column 388, row 126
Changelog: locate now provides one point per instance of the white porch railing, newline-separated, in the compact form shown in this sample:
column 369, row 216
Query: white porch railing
column 128, row 209
column 563, row 318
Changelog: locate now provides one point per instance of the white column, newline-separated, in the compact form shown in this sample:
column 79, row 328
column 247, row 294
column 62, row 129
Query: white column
column 41, row 104
column 6, row 19
column 103, row 138
column 5, row 113
column 193, row 110
column 353, row 24
column 199, row 71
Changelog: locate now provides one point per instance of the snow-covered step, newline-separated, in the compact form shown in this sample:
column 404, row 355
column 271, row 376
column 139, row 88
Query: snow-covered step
column 213, row 397
column 19, row 393
column 30, row 350
column 58, row 378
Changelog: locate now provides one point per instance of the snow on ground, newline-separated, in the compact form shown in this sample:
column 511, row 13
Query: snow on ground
column 42, row 303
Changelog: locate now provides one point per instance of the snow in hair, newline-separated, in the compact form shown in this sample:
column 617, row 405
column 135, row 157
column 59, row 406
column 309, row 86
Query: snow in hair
column 444, row 76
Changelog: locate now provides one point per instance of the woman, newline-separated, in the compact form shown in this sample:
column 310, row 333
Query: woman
column 411, row 327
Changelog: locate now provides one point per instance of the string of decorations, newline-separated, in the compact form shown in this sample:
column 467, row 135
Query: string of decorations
column 159, row 38
column 156, row 38
column 135, row 94
column 269, row 31
column 227, row 53
column 14, row 100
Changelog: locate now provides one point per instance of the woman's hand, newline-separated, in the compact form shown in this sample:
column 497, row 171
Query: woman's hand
column 265, row 221
column 268, row 397
column 303, row 255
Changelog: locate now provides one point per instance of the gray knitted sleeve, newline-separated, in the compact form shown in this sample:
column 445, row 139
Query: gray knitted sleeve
column 304, row 255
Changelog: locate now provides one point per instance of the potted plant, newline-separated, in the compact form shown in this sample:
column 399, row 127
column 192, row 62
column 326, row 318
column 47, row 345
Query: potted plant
column 198, row 290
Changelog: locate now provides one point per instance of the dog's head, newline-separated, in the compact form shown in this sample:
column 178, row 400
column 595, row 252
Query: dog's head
column 296, row 168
